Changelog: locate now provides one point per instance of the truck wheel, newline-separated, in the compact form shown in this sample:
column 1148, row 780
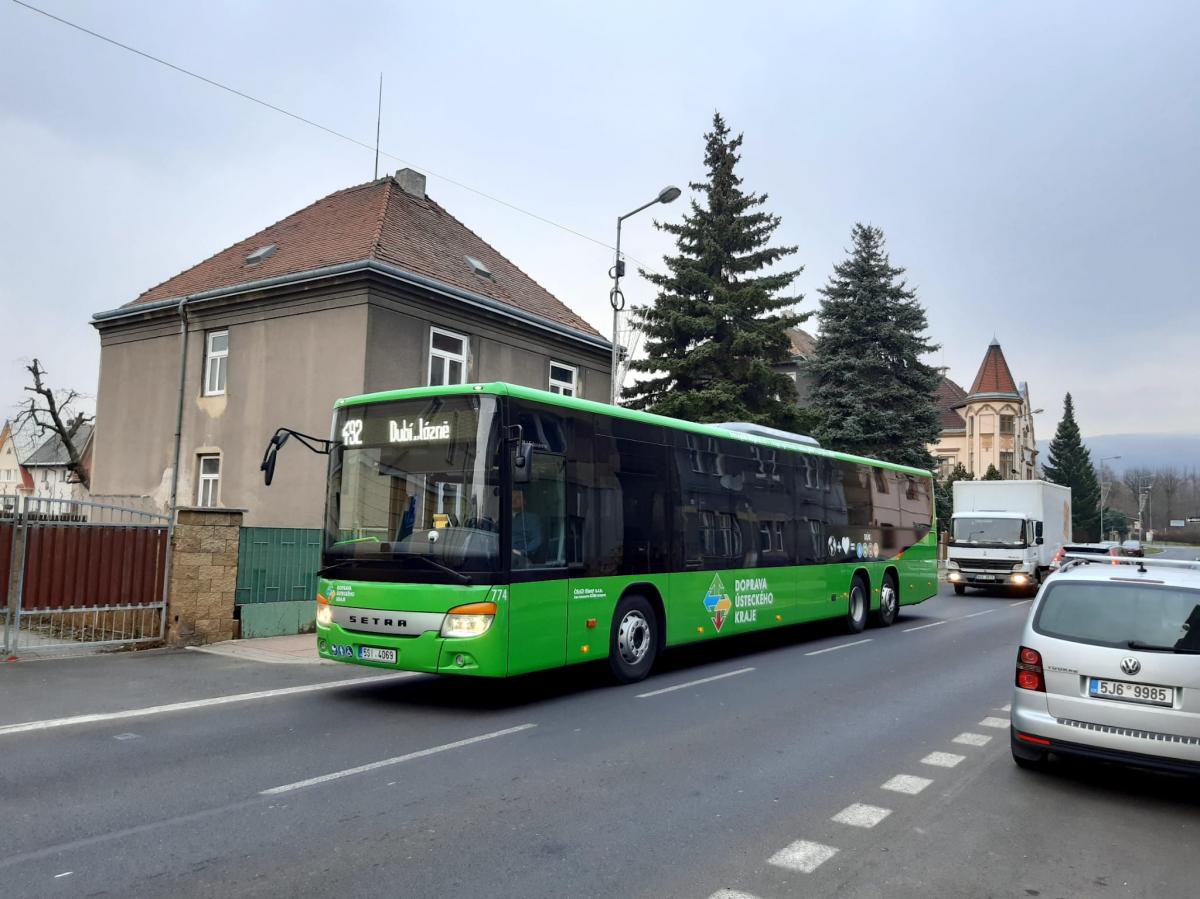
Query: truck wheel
column 860, row 603
column 960, row 589
column 633, row 639
column 889, row 602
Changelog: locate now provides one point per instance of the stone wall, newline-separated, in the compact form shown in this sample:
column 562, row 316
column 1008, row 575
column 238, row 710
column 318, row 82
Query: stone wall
column 204, row 566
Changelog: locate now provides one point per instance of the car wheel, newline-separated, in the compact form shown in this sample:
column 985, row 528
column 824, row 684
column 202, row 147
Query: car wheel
column 860, row 603
column 633, row 639
column 889, row 602
column 960, row 589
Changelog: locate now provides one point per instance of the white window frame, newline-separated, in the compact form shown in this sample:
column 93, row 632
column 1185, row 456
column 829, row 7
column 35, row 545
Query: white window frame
column 213, row 500
column 212, row 363
column 445, row 358
column 564, row 388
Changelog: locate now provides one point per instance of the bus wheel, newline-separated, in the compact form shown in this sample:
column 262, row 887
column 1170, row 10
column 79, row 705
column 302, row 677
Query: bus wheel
column 860, row 602
column 889, row 601
column 633, row 641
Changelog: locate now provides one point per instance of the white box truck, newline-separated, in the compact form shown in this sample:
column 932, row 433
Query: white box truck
column 1005, row 533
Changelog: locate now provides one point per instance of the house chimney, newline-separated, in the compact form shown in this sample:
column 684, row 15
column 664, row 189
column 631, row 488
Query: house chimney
column 411, row 182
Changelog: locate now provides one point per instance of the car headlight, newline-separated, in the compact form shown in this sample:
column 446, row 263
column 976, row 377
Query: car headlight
column 471, row 620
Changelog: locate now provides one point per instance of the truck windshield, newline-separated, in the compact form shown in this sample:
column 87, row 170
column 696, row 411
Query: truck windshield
column 989, row 531
column 414, row 490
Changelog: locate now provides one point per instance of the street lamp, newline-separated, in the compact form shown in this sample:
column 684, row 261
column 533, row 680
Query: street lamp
column 668, row 194
column 1102, row 461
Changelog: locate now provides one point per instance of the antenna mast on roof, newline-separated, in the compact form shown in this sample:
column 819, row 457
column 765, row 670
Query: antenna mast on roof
column 378, row 118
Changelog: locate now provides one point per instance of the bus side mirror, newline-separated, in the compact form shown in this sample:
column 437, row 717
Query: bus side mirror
column 268, row 463
column 523, row 463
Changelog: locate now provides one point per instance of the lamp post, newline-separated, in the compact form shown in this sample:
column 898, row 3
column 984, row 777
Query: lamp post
column 668, row 194
column 1102, row 461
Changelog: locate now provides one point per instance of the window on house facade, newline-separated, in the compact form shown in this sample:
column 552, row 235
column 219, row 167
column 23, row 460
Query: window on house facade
column 216, row 362
column 1006, row 424
column 447, row 358
column 564, row 379
column 1007, row 465
column 208, row 487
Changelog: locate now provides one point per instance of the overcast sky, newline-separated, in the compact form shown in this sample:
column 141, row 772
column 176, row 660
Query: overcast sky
column 1034, row 165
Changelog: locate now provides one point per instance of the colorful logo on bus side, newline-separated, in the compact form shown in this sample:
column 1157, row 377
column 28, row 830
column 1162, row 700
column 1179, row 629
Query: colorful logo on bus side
column 717, row 602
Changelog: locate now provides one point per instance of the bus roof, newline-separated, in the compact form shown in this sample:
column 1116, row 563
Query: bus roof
column 499, row 388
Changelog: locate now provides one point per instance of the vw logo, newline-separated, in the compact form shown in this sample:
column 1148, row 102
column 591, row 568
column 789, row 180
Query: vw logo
column 1131, row 665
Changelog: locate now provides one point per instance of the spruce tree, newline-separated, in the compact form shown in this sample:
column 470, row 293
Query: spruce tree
column 872, row 393
column 1069, row 463
column 992, row 474
column 717, row 329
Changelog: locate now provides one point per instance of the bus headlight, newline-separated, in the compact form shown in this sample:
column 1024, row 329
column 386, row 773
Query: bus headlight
column 324, row 611
column 471, row 620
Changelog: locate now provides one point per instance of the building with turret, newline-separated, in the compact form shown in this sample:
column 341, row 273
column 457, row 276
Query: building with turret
column 990, row 424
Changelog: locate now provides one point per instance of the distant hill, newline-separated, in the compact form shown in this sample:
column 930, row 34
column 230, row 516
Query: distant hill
column 1140, row 450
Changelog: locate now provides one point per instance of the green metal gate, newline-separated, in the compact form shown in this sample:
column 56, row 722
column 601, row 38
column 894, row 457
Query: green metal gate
column 277, row 580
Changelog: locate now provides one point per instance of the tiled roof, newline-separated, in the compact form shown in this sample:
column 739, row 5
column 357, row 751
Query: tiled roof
column 994, row 376
column 946, row 396
column 803, row 343
column 53, row 453
column 378, row 220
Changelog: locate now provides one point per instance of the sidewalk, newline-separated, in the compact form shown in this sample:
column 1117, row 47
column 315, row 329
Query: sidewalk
column 298, row 649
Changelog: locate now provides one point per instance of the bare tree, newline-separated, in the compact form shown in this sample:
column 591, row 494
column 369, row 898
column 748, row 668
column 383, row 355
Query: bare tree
column 1169, row 481
column 56, row 411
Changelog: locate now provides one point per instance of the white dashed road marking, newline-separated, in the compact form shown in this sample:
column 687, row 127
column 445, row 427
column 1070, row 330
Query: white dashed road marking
column 970, row 739
column 977, row 614
column 1021, row 603
column 906, row 783
column 921, row 627
column 693, row 683
column 942, row 759
column 803, row 856
column 998, row 723
column 840, row 646
column 732, row 894
column 1007, row 707
column 860, row 815
column 420, row 754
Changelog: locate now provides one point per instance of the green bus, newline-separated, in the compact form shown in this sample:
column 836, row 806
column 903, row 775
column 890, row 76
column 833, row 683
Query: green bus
column 494, row 530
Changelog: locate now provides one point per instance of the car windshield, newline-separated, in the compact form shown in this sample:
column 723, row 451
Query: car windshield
column 1115, row 614
column 415, row 487
column 993, row 531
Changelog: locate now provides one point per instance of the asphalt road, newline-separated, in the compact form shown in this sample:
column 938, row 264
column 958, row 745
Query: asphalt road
column 807, row 763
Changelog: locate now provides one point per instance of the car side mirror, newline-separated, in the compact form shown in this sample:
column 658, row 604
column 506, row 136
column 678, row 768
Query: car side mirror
column 523, row 463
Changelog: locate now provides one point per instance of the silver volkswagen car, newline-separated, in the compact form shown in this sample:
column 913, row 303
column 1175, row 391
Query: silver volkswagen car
column 1109, row 665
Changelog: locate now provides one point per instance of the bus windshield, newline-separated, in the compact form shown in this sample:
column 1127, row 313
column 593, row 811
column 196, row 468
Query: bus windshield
column 414, row 487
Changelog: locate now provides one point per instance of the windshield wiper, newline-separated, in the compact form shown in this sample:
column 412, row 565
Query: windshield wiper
column 457, row 575
column 1154, row 647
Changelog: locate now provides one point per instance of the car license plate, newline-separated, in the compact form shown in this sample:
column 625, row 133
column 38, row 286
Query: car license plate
column 1148, row 694
column 375, row 654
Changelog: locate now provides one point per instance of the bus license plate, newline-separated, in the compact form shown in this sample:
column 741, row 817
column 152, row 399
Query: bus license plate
column 1148, row 694
column 375, row 654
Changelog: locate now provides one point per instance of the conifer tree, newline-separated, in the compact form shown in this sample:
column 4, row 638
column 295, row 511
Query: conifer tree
column 992, row 474
column 872, row 393
column 1069, row 463
column 717, row 329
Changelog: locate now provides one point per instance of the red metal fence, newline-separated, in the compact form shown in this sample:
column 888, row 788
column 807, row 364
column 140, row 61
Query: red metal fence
column 80, row 566
column 84, row 574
